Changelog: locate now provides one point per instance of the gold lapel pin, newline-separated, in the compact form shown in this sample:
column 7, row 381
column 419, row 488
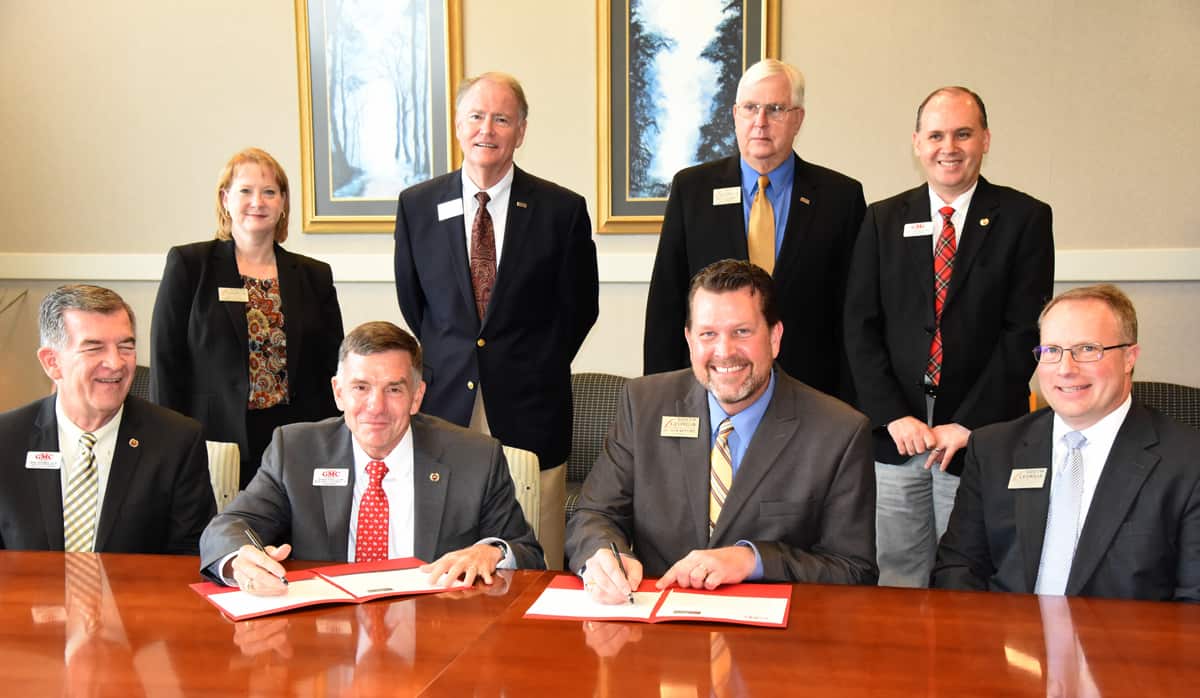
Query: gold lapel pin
column 522, row 204
column 984, row 221
column 804, row 200
column 133, row 443
column 434, row 477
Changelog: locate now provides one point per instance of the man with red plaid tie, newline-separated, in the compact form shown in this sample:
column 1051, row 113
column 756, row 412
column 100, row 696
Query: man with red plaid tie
column 945, row 287
column 380, row 482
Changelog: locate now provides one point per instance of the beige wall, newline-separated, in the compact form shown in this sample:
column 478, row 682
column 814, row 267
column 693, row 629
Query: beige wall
column 117, row 117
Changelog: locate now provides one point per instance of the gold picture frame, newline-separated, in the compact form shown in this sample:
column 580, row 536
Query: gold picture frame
column 325, row 170
column 623, row 206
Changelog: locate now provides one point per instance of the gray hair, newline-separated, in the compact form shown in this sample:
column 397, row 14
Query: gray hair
column 379, row 337
column 499, row 78
column 768, row 67
column 52, row 326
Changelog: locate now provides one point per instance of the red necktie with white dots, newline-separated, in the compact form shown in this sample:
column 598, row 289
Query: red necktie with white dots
column 371, row 534
column 943, row 265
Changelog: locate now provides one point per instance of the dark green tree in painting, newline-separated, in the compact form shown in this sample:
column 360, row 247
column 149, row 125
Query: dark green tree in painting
column 717, row 139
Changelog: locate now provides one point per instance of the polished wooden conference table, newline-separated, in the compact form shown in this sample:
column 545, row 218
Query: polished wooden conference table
column 151, row 635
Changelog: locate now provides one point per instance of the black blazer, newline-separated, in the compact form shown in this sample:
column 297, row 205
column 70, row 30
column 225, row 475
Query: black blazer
column 157, row 500
column 198, row 344
column 1141, row 538
column 810, row 272
column 545, row 301
column 1003, row 275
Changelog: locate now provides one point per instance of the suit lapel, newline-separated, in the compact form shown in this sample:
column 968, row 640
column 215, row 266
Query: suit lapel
column 729, row 220
column 44, row 437
column 336, row 501
column 228, row 277
column 431, row 480
column 800, row 213
column 450, row 235
column 974, row 235
column 777, row 427
column 919, row 250
column 694, row 454
column 122, row 473
column 521, row 202
column 1129, row 463
column 290, row 297
column 1031, row 506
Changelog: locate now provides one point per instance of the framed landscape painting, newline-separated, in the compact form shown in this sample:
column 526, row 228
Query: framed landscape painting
column 377, row 78
column 668, row 74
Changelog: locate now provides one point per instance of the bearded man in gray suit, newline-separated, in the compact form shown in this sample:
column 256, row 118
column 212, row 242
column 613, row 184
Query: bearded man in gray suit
column 732, row 471
column 446, row 491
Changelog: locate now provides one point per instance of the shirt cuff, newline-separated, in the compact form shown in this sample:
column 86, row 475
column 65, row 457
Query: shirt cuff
column 757, row 574
column 509, row 561
column 228, row 581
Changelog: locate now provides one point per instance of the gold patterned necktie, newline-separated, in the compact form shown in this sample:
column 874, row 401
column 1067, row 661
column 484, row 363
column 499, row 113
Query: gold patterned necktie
column 720, row 473
column 80, row 506
column 762, row 228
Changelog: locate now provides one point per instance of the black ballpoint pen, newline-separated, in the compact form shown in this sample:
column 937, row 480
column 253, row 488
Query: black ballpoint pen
column 613, row 547
column 258, row 544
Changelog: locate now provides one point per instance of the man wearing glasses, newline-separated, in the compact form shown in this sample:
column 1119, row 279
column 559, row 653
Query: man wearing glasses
column 1096, row 496
column 944, row 291
column 794, row 219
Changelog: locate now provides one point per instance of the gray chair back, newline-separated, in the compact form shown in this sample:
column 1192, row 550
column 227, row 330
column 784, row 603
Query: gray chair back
column 1180, row 402
column 594, row 400
column 141, row 383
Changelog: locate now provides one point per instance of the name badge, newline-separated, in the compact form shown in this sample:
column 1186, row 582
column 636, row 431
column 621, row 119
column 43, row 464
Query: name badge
column 1027, row 479
column 680, row 427
column 916, row 230
column 232, row 295
column 43, row 460
column 450, row 209
column 727, row 195
column 331, row 477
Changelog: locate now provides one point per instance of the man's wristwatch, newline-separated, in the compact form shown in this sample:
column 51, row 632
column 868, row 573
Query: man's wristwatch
column 503, row 549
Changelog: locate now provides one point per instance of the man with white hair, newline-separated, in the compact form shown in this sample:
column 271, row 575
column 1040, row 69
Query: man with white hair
column 795, row 219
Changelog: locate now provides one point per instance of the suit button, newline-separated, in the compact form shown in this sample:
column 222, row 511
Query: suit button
column 479, row 342
column 470, row 385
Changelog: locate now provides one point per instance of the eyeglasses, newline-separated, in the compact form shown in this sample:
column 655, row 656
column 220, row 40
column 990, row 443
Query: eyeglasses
column 1081, row 353
column 775, row 112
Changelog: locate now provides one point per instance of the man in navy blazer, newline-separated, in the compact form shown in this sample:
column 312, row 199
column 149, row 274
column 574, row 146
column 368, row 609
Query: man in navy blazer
column 501, row 295
column 817, row 213
column 148, row 488
column 1002, row 271
column 1132, row 509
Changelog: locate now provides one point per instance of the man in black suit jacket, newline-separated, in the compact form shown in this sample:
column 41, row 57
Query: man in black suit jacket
column 446, row 491
column 800, row 494
column 817, row 213
column 149, row 486
column 1126, row 523
column 501, row 323
column 1002, row 272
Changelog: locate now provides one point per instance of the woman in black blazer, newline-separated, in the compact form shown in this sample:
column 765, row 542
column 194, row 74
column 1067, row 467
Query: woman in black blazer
column 245, row 334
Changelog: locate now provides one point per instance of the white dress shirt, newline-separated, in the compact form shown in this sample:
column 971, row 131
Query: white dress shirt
column 958, row 218
column 1100, row 437
column 68, row 448
column 397, row 485
column 497, row 207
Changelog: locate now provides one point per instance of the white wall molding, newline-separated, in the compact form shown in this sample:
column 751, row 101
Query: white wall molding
column 1072, row 266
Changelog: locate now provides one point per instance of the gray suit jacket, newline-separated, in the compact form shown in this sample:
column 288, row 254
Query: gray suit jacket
column 471, row 497
column 804, row 493
column 1141, row 538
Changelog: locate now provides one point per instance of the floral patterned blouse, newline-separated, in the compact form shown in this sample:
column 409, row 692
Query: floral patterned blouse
column 268, row 344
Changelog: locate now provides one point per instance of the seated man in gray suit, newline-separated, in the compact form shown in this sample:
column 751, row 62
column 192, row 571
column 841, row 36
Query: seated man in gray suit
column 93, row 468
column 364, row 486
column 732, row 470
column 1096, row 496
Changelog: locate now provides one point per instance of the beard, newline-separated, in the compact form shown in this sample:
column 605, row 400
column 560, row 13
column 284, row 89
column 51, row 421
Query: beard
column 730, row 393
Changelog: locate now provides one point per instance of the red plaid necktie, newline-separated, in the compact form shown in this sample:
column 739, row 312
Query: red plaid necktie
column 483, row 255
column 371, row 534
column 943, row 265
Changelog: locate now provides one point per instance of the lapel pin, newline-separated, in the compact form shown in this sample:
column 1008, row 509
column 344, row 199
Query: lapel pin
column 434, row 477
column 522, row 204
column 984, row 222
column 133, row 443
column 804, row 200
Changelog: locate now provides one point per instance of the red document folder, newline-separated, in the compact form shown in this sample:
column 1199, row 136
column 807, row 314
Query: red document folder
column 765, row 605
column 347, row 583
